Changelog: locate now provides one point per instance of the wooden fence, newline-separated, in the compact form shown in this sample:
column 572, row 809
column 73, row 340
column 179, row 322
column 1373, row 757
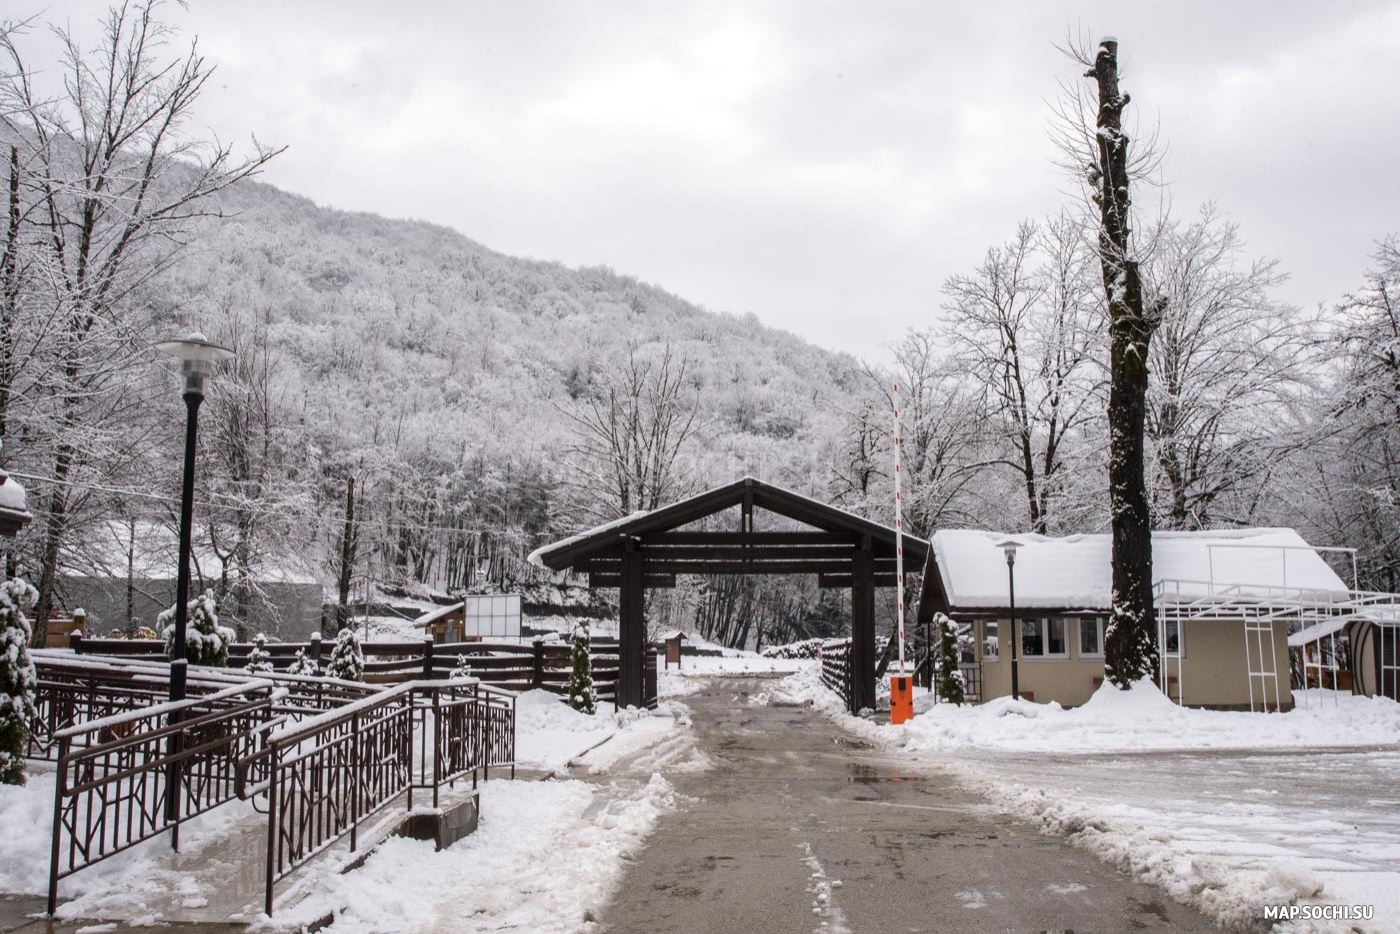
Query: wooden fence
column 836, row 668
column 512, row 666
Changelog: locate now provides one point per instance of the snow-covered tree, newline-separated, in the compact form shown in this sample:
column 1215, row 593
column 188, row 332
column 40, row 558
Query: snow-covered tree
column 582, row 695
column 1130, row 644
column 1227, row 369
column 206, row 642
column 948, row 645
column 17, row 678
column 348, row 659
column 1025, row 329
column 303, row 664
column 109, row 192
column 259, row 659
column 462, row 669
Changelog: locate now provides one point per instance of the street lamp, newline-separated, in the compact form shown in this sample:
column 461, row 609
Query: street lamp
column 198, row 360
column 1009, row 546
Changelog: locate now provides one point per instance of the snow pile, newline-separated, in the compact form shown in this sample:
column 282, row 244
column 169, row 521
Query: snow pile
column 548, row 732
column 1139, row 720
column 545, row 858
column 651, row 743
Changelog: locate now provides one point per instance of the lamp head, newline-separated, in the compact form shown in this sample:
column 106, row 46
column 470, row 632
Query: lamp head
column 198, row 358
column 1009, row 547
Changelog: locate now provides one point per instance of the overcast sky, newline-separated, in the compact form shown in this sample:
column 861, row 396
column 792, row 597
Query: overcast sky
column 823, row 165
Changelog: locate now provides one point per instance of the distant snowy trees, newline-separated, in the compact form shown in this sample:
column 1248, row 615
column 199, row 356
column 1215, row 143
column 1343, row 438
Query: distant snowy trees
column 631, row 425
column 1026, row 330
column 1347, row 478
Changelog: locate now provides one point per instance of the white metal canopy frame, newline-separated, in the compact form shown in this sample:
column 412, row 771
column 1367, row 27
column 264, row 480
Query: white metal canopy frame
column 1258, row 607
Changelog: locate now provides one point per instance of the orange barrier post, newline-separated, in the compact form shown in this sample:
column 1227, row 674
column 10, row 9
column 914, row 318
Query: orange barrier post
column 901, row 699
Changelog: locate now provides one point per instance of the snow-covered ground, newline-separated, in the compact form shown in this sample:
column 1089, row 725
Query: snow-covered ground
column 545, row 856
column 1228, row 811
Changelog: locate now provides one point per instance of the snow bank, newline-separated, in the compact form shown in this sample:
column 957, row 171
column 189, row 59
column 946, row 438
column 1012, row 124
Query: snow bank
column 1154, row 849
column 545, row 858
column 1137, row 720
column 548, row 732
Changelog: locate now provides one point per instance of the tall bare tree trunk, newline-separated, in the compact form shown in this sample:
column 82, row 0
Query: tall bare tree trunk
column 1130, row 646
column 347, row 556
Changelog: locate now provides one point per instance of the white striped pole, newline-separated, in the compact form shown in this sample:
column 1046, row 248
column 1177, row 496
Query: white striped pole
column 898, row 530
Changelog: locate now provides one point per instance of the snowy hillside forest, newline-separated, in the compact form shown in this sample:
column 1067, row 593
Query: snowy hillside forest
column 413, row 411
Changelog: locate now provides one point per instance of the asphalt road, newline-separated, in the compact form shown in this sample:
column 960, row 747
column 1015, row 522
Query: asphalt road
column 800, row 828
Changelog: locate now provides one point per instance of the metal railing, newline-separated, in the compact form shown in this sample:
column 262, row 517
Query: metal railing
column 112, row 788
column 324, row 776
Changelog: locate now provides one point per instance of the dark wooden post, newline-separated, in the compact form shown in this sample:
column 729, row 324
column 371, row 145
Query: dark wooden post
column 75, row 642
column 863, row 626
column 316, row 649
column 537, row 672
column 427, row 656
column 632, row 628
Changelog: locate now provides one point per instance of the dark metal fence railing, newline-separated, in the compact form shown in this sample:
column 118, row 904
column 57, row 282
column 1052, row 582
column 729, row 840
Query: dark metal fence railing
column 324, row 776
column 112, row 785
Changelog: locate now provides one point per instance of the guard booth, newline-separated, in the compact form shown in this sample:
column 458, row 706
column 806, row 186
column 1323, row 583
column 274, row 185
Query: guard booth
column 745, row 527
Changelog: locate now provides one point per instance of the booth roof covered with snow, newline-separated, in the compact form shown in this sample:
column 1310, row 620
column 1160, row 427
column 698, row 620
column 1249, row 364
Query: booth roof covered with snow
column 1225, row 602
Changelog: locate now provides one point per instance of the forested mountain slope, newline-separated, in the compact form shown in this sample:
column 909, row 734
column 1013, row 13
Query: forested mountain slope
column 443, row 376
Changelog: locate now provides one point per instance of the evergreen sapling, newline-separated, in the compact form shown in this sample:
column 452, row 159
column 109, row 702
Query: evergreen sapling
column 259, row 659
column 206, row 642
column 17, row 678
column 303, row 664
column 950, row 682
column 582, row 695
column 348, row 659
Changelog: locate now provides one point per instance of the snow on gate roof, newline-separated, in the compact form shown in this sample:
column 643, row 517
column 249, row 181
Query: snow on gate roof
column 1074, row 571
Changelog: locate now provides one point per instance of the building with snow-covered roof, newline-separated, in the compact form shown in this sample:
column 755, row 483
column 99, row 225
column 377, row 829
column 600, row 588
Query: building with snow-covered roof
column 477, row 617
column 1221, row 597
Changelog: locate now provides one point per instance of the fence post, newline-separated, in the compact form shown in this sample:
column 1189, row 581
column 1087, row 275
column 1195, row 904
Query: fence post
column 316, row 649
column 355, row 781
column 274, row 796
column 75, row 641
column 650, row 698
column 427, row 657
column 537, row 676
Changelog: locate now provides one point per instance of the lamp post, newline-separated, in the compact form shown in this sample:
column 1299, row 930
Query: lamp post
column 198, row 360
column 1009, row 547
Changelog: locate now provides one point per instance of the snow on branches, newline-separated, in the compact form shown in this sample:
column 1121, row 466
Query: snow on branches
column 259, row 659
column 17, row 678
column 348, row 659
column 206, row 642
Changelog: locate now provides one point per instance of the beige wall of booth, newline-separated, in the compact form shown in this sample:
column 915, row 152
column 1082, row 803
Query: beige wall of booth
column 1214, row 673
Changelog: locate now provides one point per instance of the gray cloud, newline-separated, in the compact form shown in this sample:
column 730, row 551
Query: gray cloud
column 824, row 165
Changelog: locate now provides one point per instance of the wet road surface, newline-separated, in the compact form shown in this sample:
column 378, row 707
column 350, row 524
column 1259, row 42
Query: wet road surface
column 800, row 828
